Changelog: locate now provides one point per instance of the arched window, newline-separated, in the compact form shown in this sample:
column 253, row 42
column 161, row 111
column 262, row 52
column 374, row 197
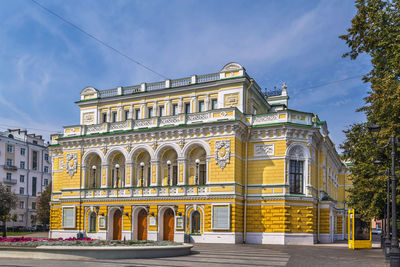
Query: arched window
column 297, row 169
column 92, row 222
column 195, row 218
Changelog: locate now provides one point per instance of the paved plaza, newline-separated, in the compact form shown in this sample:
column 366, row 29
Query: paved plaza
column 236, row 255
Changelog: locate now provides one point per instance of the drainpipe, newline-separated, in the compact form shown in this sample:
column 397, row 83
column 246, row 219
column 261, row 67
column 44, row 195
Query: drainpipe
column 80, row 234
column 318, row 206
column 27, row 181
column 245, row 169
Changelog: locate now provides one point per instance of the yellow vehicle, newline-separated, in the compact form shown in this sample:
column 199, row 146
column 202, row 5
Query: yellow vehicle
column 359, row 231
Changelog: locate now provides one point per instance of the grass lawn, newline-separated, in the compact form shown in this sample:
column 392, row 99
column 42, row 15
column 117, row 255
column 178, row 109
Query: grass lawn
column 19, row 233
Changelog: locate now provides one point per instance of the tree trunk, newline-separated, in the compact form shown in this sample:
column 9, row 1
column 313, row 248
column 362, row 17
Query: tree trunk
column 4, row 229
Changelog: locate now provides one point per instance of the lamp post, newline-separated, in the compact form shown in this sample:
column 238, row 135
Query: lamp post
column 94, row 176
column 197, row 172
column 117, row 169
column 141, row 177
column 169, row 175
column 394, row 250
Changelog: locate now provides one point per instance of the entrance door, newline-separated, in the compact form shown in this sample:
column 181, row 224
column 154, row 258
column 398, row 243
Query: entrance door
column 169, row 225
column 142, row 225
column 117, row 225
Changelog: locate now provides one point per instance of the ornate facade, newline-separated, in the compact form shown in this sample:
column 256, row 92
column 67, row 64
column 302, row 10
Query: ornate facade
column 207, row 158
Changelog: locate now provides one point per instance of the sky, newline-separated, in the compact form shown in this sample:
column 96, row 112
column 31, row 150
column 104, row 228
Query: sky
column 45, row 62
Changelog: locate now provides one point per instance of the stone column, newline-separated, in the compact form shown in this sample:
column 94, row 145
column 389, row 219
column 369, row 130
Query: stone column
column 182, row 167
column 131, row 111
column 108, row 114
column 180, row 106
column 154, row 168
column 207, row 103
column 193, row 105
column 104, row 175
column 84, row 178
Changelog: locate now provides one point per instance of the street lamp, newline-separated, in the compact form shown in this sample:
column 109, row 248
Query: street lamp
column 117, row 169
column 141, row 177
column 94, row 175
column 394, row 250
column 169, row 175
column 197, row 171
column 385, row 243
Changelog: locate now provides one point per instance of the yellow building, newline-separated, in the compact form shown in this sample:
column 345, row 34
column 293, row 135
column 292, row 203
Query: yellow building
column 208, row 157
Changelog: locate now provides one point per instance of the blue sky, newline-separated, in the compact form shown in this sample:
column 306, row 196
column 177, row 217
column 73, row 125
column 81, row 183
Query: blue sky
column 45, row 63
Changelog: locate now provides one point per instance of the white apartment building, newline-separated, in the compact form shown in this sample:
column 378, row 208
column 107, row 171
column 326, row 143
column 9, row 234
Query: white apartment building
column 25, row 167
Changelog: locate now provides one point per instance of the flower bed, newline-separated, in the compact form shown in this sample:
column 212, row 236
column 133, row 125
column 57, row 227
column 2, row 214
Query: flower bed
column 35, row 242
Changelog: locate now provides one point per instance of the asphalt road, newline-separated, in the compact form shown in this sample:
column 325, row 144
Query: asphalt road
column 236, row 255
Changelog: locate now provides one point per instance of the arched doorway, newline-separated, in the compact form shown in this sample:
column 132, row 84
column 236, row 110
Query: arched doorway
column 168, row 225
column 117, row 225
column 142, row 225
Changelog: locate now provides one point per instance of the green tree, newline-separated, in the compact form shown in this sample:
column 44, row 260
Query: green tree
column 375, row 31
column 368, row 194
column 43, row 211
column 8, row 201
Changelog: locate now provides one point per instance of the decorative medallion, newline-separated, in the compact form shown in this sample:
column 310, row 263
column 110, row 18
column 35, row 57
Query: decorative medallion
column 222, row 152
column 71, row 163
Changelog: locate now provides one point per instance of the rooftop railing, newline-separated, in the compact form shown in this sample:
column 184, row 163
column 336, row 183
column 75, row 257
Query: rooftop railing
column 226, row 114
column 160, row 85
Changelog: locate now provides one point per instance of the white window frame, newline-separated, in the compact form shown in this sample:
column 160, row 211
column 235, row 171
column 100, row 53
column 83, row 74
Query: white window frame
column 22, row 164
column 22, row 151
column 213, row 227
column 73, row 219
column 9, row 148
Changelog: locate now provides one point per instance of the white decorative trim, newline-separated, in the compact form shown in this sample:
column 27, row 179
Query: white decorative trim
column 281, row 238
column 264, row 150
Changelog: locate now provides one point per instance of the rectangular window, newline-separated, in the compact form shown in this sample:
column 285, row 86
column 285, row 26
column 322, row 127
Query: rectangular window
column 21, row 217
column 150, row 112
column 126, row 114
column 68, row 217
column 21, row 204
column 46, row 157
column 214, row 104
column 21, row 191
column 201, row 106
column 34, row 186
column 46, row 169
column 202, row 174
column 104, row 115
column 137, row 114
column 296, row 176
column 149, row 176
column 114, row 117
column 161, row 111
column 34, row 142
column 220, row 217
column 8, row 177
column 187, row 108
column 22, row 178
column 175, row 175
column 174, row 109
column 46, row 182
column 22, row 151
column 9, row 149
column 33, row 205
column 34, row 160
column 9, row 162
column 22, row 164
